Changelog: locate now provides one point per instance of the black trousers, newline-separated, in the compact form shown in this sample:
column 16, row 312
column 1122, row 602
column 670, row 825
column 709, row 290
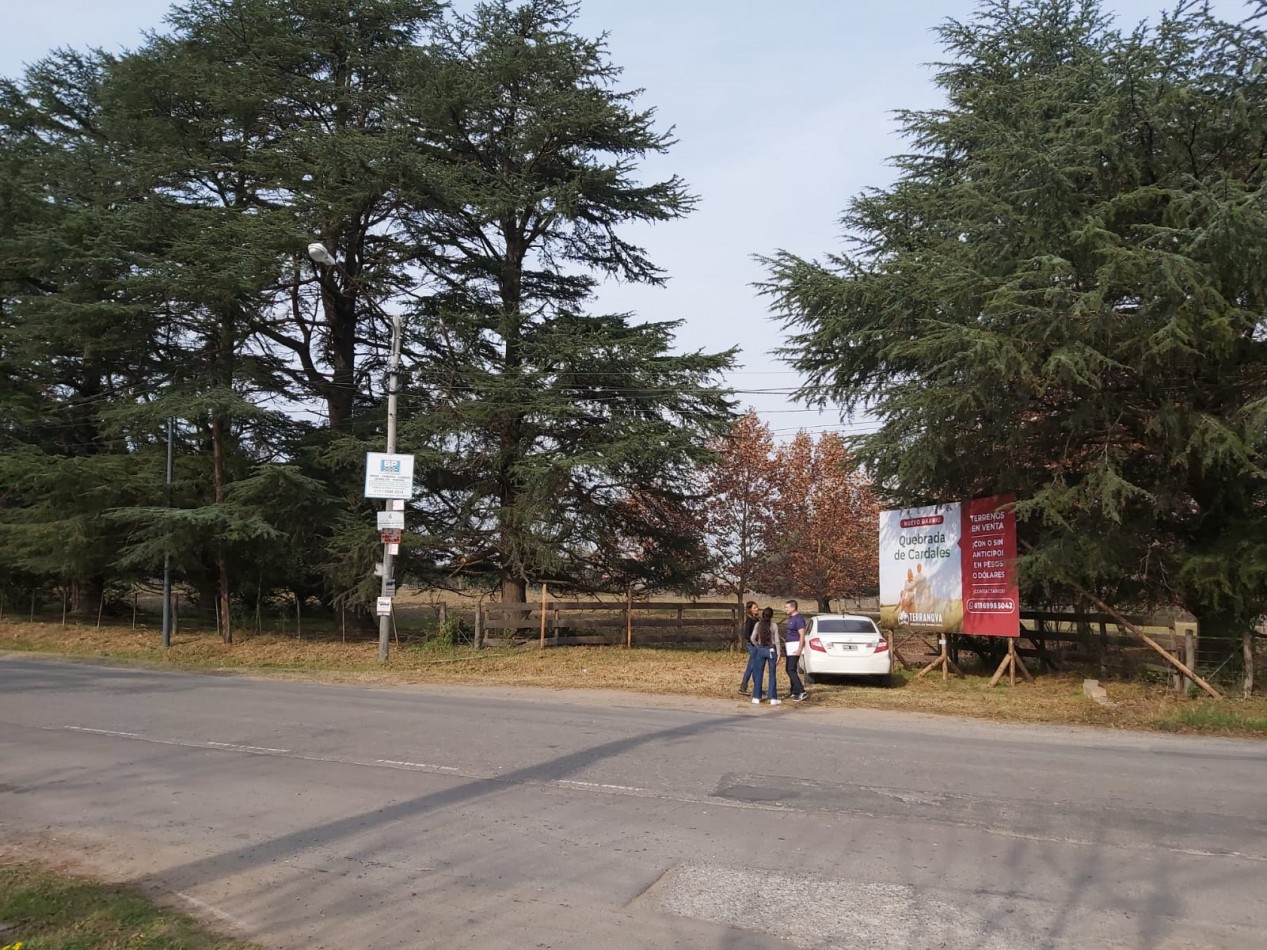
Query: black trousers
column 794, row 676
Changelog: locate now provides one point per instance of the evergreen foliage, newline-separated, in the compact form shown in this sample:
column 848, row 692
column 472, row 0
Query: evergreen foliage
column 1063, row 296
column 473, row 172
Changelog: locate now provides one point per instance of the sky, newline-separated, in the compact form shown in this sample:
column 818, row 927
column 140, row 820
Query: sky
column 782, row 112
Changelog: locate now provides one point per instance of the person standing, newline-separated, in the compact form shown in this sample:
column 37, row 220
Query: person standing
column 794, row 630
column 765, row 637
column 752, row 615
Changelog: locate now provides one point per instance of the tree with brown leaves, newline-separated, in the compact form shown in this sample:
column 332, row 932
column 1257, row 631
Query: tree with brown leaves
column 738, row 511
column 825, row 544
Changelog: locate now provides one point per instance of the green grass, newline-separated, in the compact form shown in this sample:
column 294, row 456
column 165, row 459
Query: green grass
column 43, row 910
column 1213, row 719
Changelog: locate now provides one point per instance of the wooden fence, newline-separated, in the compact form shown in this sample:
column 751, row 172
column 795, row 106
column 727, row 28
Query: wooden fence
column 1051, row 633
column 695, row 624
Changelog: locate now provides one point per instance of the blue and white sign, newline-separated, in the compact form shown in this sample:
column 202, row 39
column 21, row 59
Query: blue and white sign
column 389, row 476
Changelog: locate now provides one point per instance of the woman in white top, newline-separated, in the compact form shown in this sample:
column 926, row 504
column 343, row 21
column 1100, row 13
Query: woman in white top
column 769, row 647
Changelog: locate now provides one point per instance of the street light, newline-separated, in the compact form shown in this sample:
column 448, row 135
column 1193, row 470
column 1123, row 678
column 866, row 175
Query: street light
column 320, row 255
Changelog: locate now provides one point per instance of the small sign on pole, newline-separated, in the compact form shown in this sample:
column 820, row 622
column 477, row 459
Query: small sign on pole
column 390, row 535
column 389, row 476
column 391, row 519
column 384, row 607
column 390, row 587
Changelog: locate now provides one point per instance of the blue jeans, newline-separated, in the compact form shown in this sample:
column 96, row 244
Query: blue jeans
column 748, row 670
column 763, row 657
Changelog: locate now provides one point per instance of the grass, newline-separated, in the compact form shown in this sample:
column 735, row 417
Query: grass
column 1214, row 719
column 46, row 910
column 1052, row 699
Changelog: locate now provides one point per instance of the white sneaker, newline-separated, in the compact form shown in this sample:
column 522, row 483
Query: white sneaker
column 776, row 702
column 756, row 702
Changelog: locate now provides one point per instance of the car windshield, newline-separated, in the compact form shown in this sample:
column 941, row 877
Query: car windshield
column 841, row 625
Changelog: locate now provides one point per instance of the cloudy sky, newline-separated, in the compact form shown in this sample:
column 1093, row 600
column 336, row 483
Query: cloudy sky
column 783, row 111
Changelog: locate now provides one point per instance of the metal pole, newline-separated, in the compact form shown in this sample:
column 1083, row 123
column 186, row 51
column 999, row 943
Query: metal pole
column 385, row 622
column 167, row 555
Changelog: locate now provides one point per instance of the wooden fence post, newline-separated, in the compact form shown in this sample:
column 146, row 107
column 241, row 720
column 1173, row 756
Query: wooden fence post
column 628, row 616
column 479, row 627
column 1189, row 633
column 1247, row 655
column 544, row 594
column 101, row 607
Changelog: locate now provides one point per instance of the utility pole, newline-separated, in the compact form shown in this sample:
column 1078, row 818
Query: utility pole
column 167, row 555
column 321, row 255
column 388, row 587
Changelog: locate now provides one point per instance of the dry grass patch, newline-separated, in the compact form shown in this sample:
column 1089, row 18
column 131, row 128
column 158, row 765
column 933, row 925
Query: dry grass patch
column 1052, row 699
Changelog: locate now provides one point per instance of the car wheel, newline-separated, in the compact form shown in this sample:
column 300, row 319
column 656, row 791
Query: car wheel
column 886, row 680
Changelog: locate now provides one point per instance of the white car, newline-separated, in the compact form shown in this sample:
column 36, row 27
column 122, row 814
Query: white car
column 845, row 645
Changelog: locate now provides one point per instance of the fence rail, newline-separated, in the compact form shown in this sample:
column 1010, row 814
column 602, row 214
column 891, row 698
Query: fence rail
column 586, row 623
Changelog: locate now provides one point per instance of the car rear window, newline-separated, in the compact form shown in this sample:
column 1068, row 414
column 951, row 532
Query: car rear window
column 845, row 626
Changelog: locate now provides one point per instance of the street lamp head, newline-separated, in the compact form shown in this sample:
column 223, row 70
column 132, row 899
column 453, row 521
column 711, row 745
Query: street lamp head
column 318, row 253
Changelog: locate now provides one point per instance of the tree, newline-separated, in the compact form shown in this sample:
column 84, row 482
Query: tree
column 1062, row 296
column 825, row 542
column 740, row 499
column 538, row 422
column 72, row 342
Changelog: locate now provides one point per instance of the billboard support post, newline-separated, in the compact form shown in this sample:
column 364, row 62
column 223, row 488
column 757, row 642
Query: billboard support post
column 943, row 662
column 1009, row 666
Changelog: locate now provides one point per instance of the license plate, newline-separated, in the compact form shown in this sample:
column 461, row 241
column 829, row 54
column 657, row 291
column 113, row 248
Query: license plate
column 847, row 646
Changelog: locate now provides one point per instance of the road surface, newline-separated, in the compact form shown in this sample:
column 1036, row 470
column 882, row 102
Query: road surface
column 310, row 815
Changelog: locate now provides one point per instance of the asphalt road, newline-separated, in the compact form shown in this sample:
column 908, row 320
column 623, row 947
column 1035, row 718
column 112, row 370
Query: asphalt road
column 308, row 815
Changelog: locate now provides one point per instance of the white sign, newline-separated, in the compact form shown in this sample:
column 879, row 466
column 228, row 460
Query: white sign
column 920, row 569
column 389, row 476
column 394, row 520
column 384, row 607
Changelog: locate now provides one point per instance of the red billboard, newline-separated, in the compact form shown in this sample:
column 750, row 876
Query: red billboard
column 987, row 551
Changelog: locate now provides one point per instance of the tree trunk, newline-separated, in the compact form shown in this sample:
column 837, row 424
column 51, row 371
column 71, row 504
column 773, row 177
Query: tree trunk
column 221, row 549
column 824, row 603
column 86, row 595
column 341, row 320
column 515, row 591
column 1247, row 657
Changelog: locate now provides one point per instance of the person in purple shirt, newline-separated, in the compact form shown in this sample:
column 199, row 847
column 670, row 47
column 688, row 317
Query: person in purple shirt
column 794, row 630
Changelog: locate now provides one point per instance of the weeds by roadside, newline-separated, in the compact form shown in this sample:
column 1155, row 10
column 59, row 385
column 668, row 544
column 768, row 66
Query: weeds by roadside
column 45, row 910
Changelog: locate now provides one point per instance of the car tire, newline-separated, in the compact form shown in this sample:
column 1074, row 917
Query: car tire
column 886, row 681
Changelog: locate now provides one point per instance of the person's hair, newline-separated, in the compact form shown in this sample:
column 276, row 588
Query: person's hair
column 792, row 604
column 749, row 605
column 765, row 628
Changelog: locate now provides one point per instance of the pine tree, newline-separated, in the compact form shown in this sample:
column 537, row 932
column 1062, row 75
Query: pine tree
column 537, row 420
column 1062, row 296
